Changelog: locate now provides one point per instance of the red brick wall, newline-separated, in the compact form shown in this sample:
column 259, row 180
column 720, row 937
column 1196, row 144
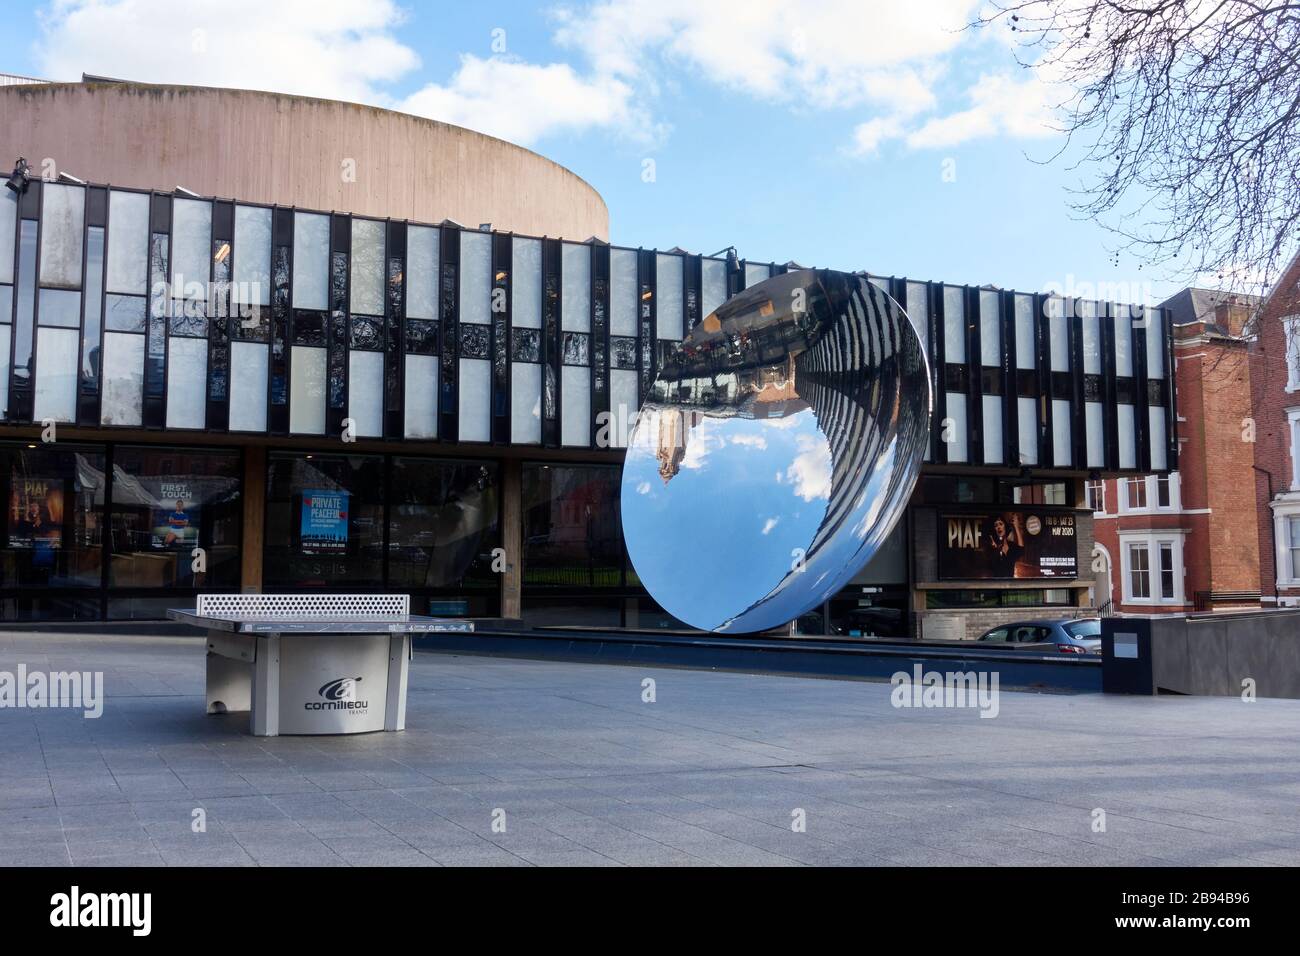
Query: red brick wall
column 1272, row 444
column 1221, row 548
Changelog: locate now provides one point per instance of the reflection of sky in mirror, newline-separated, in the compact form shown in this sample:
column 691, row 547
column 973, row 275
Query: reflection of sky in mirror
column 750, row 491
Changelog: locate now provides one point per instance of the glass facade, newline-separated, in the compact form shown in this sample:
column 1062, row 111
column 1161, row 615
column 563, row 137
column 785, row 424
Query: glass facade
column 421, row 526
column 94, row 531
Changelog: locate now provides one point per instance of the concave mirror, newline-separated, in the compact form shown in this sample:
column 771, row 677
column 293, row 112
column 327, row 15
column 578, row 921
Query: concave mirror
column 775, row 451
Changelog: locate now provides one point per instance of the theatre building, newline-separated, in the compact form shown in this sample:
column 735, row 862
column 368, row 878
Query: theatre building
column 269, row 343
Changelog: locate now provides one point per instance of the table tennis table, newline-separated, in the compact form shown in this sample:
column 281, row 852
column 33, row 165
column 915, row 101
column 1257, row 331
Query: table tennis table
column 311, row 663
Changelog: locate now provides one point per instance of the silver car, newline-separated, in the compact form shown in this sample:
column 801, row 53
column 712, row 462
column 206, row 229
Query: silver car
column 1069, row 635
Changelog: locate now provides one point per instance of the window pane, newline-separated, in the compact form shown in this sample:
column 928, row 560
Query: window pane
column 122, row 402
column 191, row 249
column 443, row 525
column 307, row 382
column 324, row 522
column 1167, row 571
column 475, row 276
column 128, row 243
column 187, row 381
column 1139, row 569
column 56, row 375
column 575, row 298
column 668, row 289
column 252, row 255
column 422, row 272
column 311, row 239
column 713, row 288
column 990, row 328
column 62, row 233
column 526, row 289
column 26, row 301
column 954, row 324
column 248, row 374
column 56, row 496
column 1162, row 491
column 8, row 225
column 367, row 288
column 572, row 534
column 622, row 292
column 166, row 502
column 60, row 307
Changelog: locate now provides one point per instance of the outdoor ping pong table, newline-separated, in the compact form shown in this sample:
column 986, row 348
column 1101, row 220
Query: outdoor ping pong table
column 311, row 664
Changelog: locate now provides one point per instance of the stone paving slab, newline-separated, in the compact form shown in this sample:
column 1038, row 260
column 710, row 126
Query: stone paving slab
column 583, row 772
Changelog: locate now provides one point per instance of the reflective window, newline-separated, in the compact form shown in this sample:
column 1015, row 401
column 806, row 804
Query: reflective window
column 128, row 243
column 60, row 307
column 572, row 531
column 575, row 299
column 475, row 276
column 56, row 375
column 26, row 301
column 311, row 240
column 8, row 223
column 443, row 525
column 622, row 292
column 668, row 289
column 714, row 290
column 252, row 255
column 324, row 522
column 94, row 309
column 63, row 211
column 421, row 272
column 248, row 376
column 191, row 249
column 53, row 524
column 122, row 400
column 526, row 289
column 166, row 503
column 367, row 285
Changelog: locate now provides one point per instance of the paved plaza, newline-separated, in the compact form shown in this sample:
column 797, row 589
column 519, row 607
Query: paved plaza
column 578, row 769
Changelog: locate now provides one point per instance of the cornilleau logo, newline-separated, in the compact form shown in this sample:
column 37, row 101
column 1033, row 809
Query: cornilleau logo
column 342, row 688
column 338, row 694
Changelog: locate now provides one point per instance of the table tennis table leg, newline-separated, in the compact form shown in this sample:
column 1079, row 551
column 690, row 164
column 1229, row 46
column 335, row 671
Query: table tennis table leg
column 399, row 664
column 266, row 687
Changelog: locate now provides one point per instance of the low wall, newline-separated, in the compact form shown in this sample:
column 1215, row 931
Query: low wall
column 1204, row 654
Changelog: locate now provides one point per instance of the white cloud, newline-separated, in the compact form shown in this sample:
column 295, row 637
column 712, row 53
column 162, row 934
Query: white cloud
column 522, row 102
column 810, row 473
column 826, row 53
column 769, row 524
column 1000, row 106
column 342, row 51
column 887, row 59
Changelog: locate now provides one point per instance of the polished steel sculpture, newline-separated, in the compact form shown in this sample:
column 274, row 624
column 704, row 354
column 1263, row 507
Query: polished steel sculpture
column 775, row 451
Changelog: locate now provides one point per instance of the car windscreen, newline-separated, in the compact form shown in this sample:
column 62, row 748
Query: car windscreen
column 1083, row 628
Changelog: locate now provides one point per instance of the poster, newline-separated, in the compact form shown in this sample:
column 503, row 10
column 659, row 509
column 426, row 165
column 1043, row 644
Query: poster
column 175, row 524
column 324, row 525
column 36, row 517
column 1007, row 545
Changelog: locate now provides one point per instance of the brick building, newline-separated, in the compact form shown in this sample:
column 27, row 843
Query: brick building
column 1276, row 397
column 1189, row 540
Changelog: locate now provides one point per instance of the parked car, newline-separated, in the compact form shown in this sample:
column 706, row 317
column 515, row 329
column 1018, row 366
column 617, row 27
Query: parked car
column 1069, row 635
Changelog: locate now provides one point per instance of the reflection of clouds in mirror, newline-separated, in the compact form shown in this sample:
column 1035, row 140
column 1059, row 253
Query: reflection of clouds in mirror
column 810, row 473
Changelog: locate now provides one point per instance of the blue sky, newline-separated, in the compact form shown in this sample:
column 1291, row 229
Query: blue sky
column 841, row 133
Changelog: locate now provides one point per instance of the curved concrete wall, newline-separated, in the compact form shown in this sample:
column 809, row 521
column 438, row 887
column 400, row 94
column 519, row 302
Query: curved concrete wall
column 291, row 150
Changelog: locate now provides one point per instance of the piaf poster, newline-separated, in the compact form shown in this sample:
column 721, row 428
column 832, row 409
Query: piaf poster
column 1007, row 545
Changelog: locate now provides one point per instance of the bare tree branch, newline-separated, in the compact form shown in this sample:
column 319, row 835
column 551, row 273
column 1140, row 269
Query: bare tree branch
column 1187, row 113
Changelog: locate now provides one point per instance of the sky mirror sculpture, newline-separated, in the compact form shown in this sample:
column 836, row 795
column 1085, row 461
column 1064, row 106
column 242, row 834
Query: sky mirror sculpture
column 775, row 451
